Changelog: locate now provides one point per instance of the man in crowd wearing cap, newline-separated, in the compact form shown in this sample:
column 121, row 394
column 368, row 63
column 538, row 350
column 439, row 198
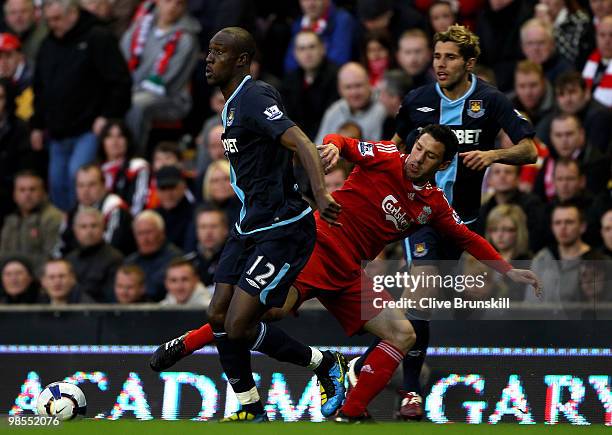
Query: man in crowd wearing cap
column 336, row 28
column 20, row 18
column 15, row 67
column 176, row 208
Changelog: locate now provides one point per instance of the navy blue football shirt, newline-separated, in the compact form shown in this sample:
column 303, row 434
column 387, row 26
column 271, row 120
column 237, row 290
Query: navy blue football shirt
column 261, row 168
column 476, row 118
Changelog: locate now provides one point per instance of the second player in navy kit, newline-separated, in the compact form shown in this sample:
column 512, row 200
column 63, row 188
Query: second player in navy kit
column 476, row 118
column 275, row 232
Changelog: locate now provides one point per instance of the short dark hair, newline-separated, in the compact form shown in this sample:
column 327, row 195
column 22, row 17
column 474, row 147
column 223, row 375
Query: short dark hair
column 415, row 33
column 132, row 269
column 570, row 78
column 446, row 136
column 564, row 161
column 92, row 166
column 208, row 208
column 180, row 262
column 571, row 204
column 352, row 124
column 565, row 117
column 383, row 38
column 169, row 147
column 517, row 169
column 29, row 173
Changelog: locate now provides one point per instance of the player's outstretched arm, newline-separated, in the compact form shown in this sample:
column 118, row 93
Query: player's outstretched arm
column 448, row 223
column 362, row 153
column 523, row 153
column 295, row 139
column 524, row 276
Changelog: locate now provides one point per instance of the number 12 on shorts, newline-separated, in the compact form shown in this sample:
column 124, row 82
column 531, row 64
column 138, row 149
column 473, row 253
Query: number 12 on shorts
column 260, row 280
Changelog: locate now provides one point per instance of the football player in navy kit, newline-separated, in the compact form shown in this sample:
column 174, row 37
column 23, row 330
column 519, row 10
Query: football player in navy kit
column 275, row 234
column 476, row 111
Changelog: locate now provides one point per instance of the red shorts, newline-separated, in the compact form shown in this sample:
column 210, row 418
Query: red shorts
column 351, row 300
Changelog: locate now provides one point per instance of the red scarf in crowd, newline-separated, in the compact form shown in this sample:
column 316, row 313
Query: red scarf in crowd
column 603, row 91
column 317, row 26
column 144, row 18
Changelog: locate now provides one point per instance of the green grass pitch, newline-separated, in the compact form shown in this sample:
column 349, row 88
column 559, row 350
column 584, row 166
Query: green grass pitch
column 184, row 427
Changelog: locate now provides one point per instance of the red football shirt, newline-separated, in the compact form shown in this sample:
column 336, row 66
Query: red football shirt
column 379, row 206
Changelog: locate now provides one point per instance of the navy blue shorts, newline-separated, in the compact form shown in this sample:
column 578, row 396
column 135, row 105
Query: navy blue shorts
column 267, row 264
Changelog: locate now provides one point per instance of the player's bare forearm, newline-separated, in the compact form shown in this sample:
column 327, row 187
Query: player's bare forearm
column 523, row 153
column 296, row 140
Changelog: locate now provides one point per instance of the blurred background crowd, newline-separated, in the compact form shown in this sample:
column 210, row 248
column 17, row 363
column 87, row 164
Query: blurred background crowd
column 115, row 187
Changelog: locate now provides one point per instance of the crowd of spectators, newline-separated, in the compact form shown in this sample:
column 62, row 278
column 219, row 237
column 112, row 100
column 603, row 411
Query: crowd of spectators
column 114, row 185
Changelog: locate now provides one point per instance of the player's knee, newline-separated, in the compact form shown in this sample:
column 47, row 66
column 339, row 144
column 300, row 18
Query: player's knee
column 402, row 335
column 235, row 330
column 216, row 318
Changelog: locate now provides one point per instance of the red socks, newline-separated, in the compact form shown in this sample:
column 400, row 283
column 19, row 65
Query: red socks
column 376, row 372
column 198, row 338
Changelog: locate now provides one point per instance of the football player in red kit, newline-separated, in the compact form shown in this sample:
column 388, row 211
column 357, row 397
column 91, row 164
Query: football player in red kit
column 387, row 196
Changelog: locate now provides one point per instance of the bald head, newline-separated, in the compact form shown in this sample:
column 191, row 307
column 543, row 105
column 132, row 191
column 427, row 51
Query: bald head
column 351, row 69
column 353, row 85
column 230, row 53
column 241, row 41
